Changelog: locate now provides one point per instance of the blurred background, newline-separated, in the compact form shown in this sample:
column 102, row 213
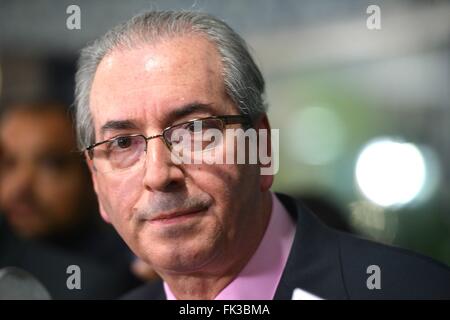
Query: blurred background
column 364, row 115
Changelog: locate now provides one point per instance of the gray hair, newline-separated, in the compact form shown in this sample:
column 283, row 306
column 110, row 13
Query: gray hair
column 243, row 81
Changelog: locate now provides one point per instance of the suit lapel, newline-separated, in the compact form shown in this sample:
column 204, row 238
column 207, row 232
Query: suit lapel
column 314, row 261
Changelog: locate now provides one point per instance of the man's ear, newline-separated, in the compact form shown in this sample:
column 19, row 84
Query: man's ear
column 266, row 180
column 93, row 172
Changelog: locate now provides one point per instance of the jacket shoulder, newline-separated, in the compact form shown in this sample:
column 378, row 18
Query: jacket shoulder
column 372, row 270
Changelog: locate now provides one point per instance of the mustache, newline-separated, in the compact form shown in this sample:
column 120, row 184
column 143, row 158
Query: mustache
column 24, row 198
column 163, row 203
column 30, row 204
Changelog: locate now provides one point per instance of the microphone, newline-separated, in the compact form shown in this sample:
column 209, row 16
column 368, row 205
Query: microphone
column 18, row 284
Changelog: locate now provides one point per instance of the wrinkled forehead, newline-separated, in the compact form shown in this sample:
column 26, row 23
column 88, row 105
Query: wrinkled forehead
column 148, row 82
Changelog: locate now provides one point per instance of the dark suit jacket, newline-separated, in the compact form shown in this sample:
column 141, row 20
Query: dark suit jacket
column 333, row 265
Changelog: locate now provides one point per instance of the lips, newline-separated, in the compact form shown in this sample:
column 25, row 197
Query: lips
column 176, row 215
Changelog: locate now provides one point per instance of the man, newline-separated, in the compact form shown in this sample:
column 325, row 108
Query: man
column 48, row 206
column 211, row 231
column 44, row 190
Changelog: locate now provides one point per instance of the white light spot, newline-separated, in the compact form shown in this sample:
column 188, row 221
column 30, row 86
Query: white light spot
column 390, row 173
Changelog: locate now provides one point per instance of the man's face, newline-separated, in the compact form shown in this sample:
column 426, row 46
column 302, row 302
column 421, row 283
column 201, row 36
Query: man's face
column 41, row 179
column 147, row 89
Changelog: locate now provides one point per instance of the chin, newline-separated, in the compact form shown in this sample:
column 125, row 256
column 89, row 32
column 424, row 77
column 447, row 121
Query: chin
column 178, row 258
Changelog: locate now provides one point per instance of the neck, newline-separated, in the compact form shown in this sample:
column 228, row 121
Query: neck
column 207, row 284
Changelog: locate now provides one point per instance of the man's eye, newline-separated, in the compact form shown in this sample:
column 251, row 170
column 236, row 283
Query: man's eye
column 122, row 143
column 56, row 162
column 195, row 126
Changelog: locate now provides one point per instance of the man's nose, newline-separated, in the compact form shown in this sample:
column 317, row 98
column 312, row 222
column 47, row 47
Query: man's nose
column 160, row 171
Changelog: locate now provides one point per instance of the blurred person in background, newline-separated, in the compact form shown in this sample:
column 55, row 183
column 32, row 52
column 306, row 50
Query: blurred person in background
column 47, row 201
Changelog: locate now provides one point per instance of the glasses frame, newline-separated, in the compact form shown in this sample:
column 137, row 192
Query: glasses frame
column 226, row 120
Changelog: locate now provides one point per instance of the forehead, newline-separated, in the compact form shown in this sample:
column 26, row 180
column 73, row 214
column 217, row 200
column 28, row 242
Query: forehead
column 31, row 130
column 149, row 81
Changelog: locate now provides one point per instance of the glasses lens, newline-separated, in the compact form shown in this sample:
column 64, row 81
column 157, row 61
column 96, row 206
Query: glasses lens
column 195, row 136
column 121, row 153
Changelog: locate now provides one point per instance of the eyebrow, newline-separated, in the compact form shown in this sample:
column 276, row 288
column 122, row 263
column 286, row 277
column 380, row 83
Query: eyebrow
column 118, row 125
column 177, row 113
column 189, row 109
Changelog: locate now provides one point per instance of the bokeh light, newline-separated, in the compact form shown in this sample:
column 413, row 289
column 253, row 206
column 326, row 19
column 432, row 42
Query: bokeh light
column 390, row 173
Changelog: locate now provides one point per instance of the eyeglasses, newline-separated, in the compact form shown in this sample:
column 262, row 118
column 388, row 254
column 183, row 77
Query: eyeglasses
column 127, row 151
